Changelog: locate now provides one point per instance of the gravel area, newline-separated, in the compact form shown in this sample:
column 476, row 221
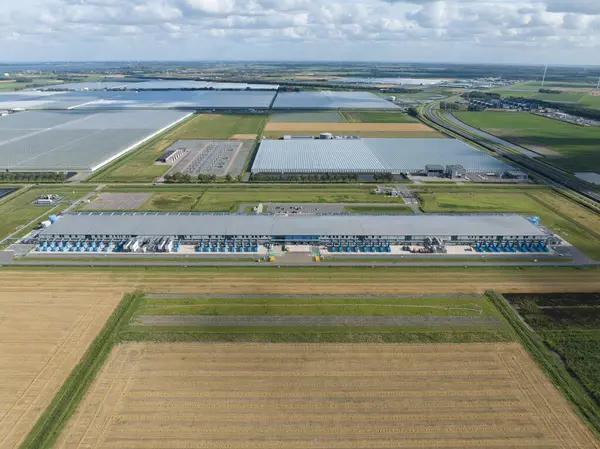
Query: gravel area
column 304, row 320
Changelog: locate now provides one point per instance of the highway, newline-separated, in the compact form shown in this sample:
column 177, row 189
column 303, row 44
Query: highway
column 551, row 175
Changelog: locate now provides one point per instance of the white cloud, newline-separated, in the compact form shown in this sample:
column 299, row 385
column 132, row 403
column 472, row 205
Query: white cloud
column 460, row 30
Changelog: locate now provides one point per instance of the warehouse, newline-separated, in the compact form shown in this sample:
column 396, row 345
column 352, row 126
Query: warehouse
column 331, row 100
column 367, row 156
column 252, row 231
column 76, row 140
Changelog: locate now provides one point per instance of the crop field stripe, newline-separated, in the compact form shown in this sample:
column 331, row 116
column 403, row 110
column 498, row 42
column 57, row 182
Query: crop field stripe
column 66, row 401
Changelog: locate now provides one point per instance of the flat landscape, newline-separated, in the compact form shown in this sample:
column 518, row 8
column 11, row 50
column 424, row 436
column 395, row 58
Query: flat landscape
column 327, row 395
column 51, row 315
column 577, row 145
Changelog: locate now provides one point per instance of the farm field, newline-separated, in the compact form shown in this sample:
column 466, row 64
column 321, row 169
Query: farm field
column 307, row 117
column 323, row 396
column 564, row 217
column 138, row 166
column 569, row 324
column 377, row 117
column 424, row 134
column 228, row 198
column 43, row 334
column 404, row 128
column 316, row 319
column 577, row 145
column 74, row 309
column 17, row 210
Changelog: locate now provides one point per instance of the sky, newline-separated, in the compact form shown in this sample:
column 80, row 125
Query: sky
column 484, row 31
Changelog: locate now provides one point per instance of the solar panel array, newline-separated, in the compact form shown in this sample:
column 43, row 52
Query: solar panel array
column 75, row 140
column 370, row 156
column 331, row 100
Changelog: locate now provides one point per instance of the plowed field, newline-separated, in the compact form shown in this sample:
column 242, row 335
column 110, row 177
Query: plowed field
column 245, row 396
column 345, row 127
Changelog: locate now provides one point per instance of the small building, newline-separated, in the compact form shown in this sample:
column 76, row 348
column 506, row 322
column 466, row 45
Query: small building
column 171, row 156
column 455, row 171
column 515, row 174
column 434, row 170
column 326, row 136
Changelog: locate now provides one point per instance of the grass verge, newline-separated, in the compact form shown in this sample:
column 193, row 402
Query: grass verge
column 48, row 427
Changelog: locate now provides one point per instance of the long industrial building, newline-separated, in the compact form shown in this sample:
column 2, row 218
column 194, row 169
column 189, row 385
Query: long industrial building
column 308, row 229
column 76, row 140
column 367, row 156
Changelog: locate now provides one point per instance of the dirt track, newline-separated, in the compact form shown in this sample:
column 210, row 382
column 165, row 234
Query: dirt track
column 309, row 396
column 48, row 317
column 346, row 127
column 315, row 321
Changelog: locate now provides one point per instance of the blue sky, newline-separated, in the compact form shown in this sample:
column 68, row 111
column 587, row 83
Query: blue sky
column 500, row 31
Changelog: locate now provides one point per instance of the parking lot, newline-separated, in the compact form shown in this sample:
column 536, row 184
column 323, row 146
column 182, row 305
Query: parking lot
column 211, row 157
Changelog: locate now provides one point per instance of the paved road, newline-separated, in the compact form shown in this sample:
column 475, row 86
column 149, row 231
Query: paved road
column 188, row 263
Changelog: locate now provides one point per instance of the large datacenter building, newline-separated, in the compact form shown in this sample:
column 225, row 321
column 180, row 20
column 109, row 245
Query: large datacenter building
column 192, row 228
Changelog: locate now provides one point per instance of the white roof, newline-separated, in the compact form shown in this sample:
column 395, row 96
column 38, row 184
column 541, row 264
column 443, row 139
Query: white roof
column 370, row 156
column 173, row 224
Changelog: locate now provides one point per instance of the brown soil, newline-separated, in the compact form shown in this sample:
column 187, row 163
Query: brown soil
column 309, row 396
column 346, row 127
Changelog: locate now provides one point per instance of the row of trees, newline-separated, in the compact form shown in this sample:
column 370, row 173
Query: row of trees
column 317, row 177
column 32, row 177
column 569, row 108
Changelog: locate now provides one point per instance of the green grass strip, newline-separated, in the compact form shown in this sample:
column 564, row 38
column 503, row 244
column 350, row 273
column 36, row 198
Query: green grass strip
column 48, row 427
column 551, row 365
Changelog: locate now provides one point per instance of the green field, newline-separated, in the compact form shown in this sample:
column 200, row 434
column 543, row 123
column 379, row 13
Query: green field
column 574, row 228
column 228, row 198
column 315, row 306
column 469, row 306
column 579, row 146
column 17, row 210
column 307, row 117
column 138, row 166
column 219, row 126
column 378, row 117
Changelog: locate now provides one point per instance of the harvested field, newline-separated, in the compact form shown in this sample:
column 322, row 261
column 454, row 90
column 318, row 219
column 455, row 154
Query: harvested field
column 346, row 127
column 323, row 396
column 307, row 117
column 352, row 282
column 244, row 136
column 118, row 201
column 314, row 321
column 43, row 334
